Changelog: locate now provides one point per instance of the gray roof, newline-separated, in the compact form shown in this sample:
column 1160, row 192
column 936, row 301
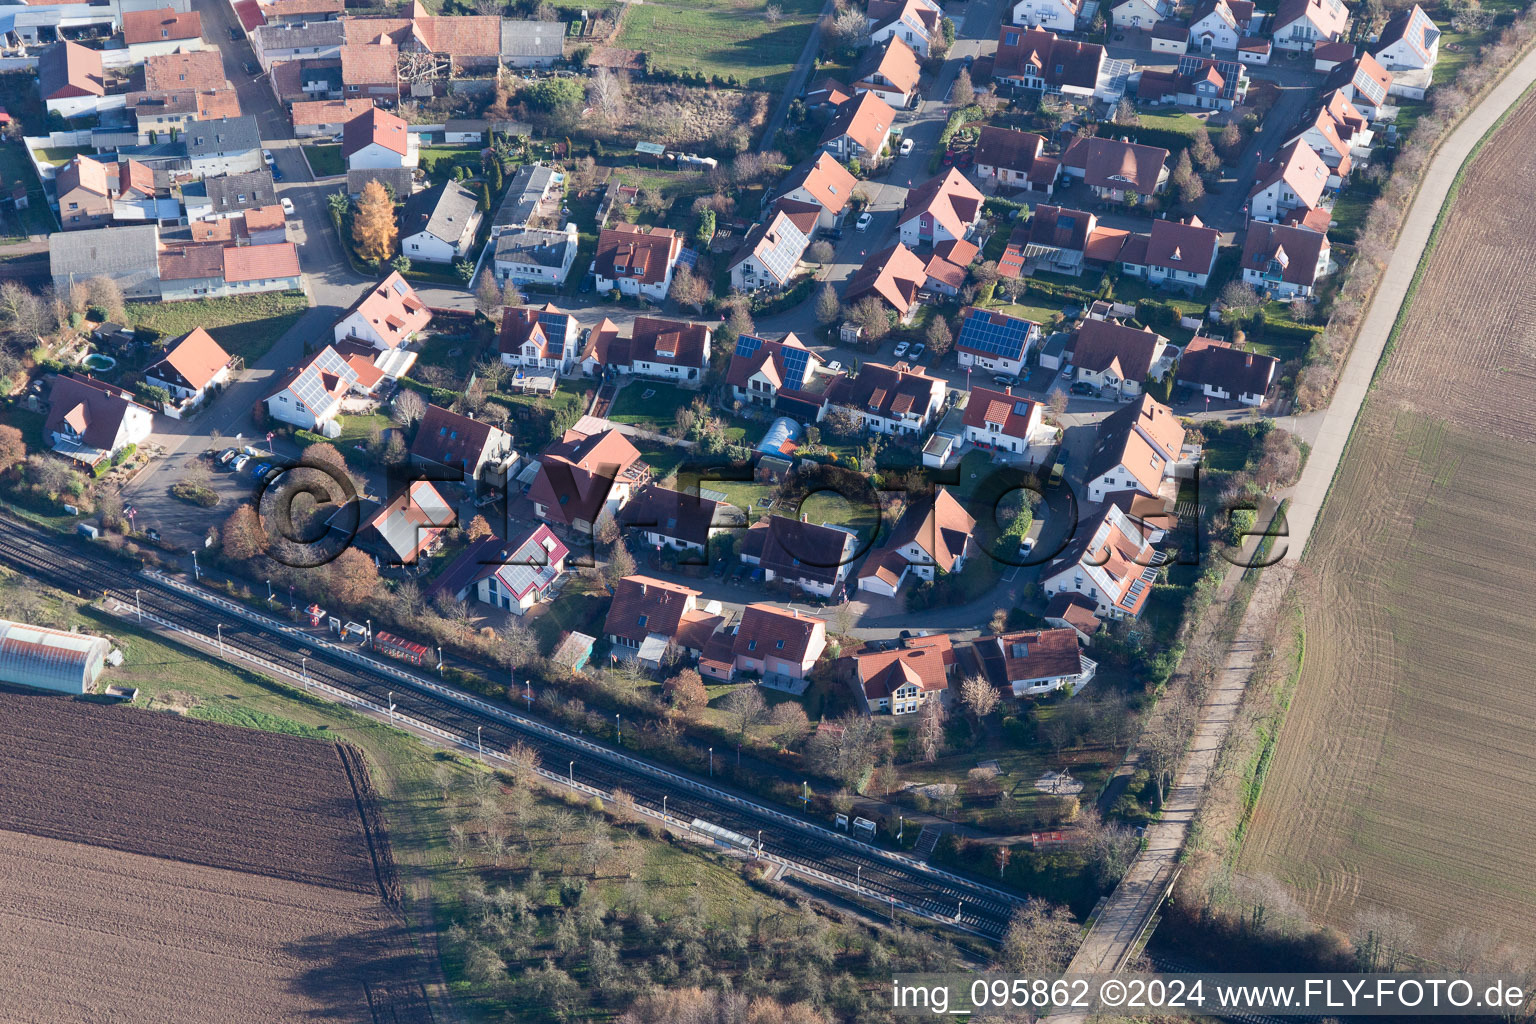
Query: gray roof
column 120, row 250
column 532, row 38
column 524, row 191
column 313, row 33
column 532, row 246
column 440, row 212
column 401, row 179
column 230, row 193
column 222, row 135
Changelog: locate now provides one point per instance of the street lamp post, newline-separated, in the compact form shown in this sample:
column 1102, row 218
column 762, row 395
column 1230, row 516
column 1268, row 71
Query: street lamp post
column 618, row 731
column 197, row 576
column 269, row 591
column 304, row 667
column 859, row 877
column 138, row 605
column 528, row 693
column 711, row 762
column 370, row 633
column 571, row 770
column 901, row 824
column 759, row 841
column 805, row 795
column 663, row 808
column 478, row 745
column 439, row 663
column 219, row 627
column 391, row 705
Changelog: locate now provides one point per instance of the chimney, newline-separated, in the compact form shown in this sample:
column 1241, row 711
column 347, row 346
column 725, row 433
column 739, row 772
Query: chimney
column 642, row 590
column 795, row 612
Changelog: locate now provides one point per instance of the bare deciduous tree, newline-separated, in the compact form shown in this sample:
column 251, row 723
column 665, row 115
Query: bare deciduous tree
column 979, row 696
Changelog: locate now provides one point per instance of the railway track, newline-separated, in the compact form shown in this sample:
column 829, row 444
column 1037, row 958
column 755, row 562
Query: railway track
column 878, row 874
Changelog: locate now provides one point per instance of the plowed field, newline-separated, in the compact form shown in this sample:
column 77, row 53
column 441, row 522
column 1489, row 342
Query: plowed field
column 1404, row 777
column 159, row 870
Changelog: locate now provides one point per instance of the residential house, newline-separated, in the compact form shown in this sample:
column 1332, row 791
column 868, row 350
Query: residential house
column 439, row 224
column 410, row 526
column 539, row 338
column 648, row 616
column 191, row 271
column 1340, row 134
column 1075, row 612
column 1116, row 358
column 827, row 94
column 88, row 188
column 289, row 41
column 1299, row 25
column 1034, row 662
column 994, row 341
column 91, row 421
column 228, row 196
column 167, row 30
column 534, row 255
column 606, row 351
column 1254, row 50
column 861, row 130
column 276, row 12
column 377, row 138
column 824, row 182
column 369, row 71
column 947, row 266
column 1327, row 56
column 310, row 396
column 916, row 22
column 534, row 192
column 168, row 114
column 1223, row 372
column 1204, row 83
column 932, row 537
column 1041, row 60
column 815, row 558
column 1111, row 562
column 1115, row 170
column 1138, row 447
column 897, row 677
column 1142, row 14
column 896, row 275
column 1410, row 41
column 581, row 476
column 670, row 519
column 1054, row 240
column 890, row 72
column 1176, row 254
column 71, row 79
column 1014, row 159
column 1289, row 186
column 475, row 449
column 1056, row 15
column 1285, row 262
column 1220, row 24
column 769, row 254
column 761, row 371
column 325, row 118
column 637, row 261
column 513, row 574
column 1003, row 421
column 896, row 399
column 193, row 365
column 224, row 145
column 530, row 44
column 941, row 209
column 1169, row 36
column 200, row 71
column 129, row 255
column 388, row 315
column 1364, row 82
column 776, row 644
column 673, row 350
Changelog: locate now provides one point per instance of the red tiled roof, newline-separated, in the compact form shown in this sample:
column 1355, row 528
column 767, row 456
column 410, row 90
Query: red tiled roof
column 1210, row 361
column 867, row 120
column 450, row 439
column 896, row 275
column 1030, row 655
column 1012, row 412
column 921, row 660
column 375, row 126
column 1110, row 163
column 674, row 342
column 196, row 356
column 216, row 103
column 1182, row 246
column 265, row 218
column 371, row 64
column 950, row 199
column 577, row 473
column 166, row 23
column 643, row 605
column 393, row 309
column 199, row 70
column 769, row 631
column 309, row 112
column 94, row 408
column 624, row 248
column 261, row 262
column 192, row 263
column 829, row 182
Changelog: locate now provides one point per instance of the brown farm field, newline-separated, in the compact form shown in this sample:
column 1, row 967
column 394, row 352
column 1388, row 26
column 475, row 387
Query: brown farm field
column 1403, row 779
column 160, row 869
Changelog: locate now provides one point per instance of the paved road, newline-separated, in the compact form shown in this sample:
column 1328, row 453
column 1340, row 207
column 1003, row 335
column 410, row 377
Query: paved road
column 1107, row 943
column 798, row 79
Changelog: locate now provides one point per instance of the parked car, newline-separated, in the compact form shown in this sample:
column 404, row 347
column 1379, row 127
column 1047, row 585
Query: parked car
column 864, row 219
column 970, row 59
column 249, row 68
column 1007, row 380
column 917, row 351
column 261, row 470
column 901, row 348
column 1027, row 546
column 833, row 234
column 239, row 463
column 835, row 366
column 1082, row 387
column 266, row 155
column 1066, row 370
column 227, row 456
column 907, row 145
column 287, row 205
column 234, row 34
column 719, row 569
column 277, row 174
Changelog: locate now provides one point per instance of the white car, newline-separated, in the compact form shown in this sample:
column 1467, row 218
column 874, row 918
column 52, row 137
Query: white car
column 864, row 219
column 906, row 146
column 901, row 348
column 1027, row 546
column 266, row 155
column 287, row 205
column 834, row 366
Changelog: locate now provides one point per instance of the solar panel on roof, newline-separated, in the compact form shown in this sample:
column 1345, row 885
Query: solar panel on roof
column 747, row 345
column 687, row 258
column 1007, row 339
column 795, row 362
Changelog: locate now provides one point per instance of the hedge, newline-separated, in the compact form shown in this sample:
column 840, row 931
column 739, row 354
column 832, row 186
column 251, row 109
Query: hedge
column 785, row 300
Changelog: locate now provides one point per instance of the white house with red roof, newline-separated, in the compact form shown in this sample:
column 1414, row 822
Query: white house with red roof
column 473, row 448
column 940, row 209
column 1409, row 41
column 539, row 338
column 1219, row 24
column 1034, row 662
column 1299, row 25
column 933, row 536
column 1290, row 185
column 1139, row 446
column 90, row 420
column 1175, row 253
column 916, row 22
column 522, row 570
column 581, row 476
column 1285, row 261
column 1004, row 421
column 1111, row 562
column 673, row 350
column 156, row 32
column 861, row 130
column 378, row 139
column 310, row 396
column 410, row 526
column 1056, row 15
column 637, row 260
column 769, row 254
column 192, row 365
column 890, row 72
column 388, row 315
column 780, row 645
column 897, row 677
column 824, row 182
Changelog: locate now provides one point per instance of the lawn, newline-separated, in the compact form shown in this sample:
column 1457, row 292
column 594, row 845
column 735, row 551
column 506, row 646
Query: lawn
column 37, row 218
column 58, row 156
column 729, row 40
column 650, row 404
column 1172, row 121
column 245, row 325
column 582, row 607
column 1038, row 314
column 325, row 161
column 359, row 429
column 468, row 156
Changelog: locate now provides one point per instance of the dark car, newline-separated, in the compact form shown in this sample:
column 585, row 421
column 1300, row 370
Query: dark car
column 719, row 569
column 249, row 68
column 1005, row 379
column 833, row 234
column 1083, row 388
column 277, row 175
column 970, row 59
column 234, row 34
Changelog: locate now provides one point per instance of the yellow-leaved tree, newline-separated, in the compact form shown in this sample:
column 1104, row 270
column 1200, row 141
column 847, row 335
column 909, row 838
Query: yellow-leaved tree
column 373, row 226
